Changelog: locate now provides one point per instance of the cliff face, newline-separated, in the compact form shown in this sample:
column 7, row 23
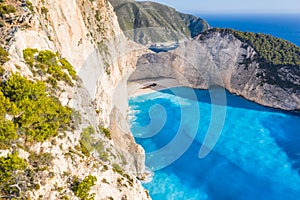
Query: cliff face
column 151, row 23
column 87, row 34
column 222, row 59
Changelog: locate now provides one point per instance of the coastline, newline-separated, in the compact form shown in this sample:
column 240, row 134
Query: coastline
column 145, row 86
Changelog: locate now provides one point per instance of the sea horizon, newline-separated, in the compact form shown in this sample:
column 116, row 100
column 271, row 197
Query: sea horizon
column 284, row 26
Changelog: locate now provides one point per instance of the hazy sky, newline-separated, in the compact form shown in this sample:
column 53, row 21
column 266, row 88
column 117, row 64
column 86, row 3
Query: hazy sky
column 236, row 6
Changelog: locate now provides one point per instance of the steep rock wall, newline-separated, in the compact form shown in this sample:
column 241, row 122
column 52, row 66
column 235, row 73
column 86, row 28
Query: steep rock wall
column 219, row 59
column 87, row 34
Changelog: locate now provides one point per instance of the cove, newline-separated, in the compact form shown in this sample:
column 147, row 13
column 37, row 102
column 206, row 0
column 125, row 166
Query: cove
column 257, row 155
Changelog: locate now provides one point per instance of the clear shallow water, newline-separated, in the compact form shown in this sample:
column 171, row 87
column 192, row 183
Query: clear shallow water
column 256, row 157
column 285, row 26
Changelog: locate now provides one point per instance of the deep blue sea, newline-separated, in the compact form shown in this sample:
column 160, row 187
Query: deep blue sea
column 285, row 26
column 257, row 151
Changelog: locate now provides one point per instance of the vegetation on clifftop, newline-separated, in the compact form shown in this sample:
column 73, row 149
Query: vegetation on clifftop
column 271, row 50
column 277, row 58
column 274, row 50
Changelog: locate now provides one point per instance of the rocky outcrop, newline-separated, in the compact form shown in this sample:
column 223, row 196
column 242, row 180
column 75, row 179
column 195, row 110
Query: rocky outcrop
column 151, row 23
column 99, row 54
column 87, row 34
column 222, row 59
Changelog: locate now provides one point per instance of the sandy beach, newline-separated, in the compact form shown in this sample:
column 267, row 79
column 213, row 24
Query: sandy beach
column 146, row 86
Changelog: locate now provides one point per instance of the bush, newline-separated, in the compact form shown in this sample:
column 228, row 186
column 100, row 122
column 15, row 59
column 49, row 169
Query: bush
column 46, row 62
column 87, row 132
column 86, row 140
column 65, row 197
column 98, row 146
column 35, row 114
column 106, row 132
column 2, row 70
column 82, row 188
column 271, row 50
column 44, row 11
column 83, row 148
column 66, row 65
column 28, row 55
column 47, row 57
column 104, row 156
column 3, row 56
column 6, row 9
column 10, row 168
column 7, row 133
column 29, row 6
column 117, row 168
column 7, row 128
column 88, row 144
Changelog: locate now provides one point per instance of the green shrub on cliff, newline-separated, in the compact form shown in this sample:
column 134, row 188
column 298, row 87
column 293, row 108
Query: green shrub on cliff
column 7, row 127
column 7, row 133
column 83, row 147
column 66, row 65
column 47, row 57
column 275, row 56
column 88, row 143
column 271, row 50
column 29, row 6
column 28, row 55
column 117, row 168
column 48, row 63
column 106, row 132
column 6, row 9
column 35, row 115
column 82, row 188
column 11, row 170
column 3, row 56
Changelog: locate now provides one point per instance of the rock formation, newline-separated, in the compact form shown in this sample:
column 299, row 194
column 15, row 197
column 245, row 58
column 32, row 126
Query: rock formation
column 87, row 34
column 217, row 58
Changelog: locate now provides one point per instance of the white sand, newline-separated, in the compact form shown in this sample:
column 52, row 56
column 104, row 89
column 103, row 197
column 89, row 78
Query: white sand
column 136, row 88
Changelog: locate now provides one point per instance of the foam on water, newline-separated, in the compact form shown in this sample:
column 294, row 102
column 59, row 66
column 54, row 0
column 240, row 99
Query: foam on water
column 256, row 157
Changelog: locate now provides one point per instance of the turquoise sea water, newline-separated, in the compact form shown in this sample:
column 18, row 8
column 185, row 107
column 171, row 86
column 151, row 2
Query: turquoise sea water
column 258, row 153
column 256, row 157
column 286, row 26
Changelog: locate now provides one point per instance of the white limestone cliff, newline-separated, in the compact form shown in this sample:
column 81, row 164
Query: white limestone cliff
column 87, row 34
column 219, row 59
